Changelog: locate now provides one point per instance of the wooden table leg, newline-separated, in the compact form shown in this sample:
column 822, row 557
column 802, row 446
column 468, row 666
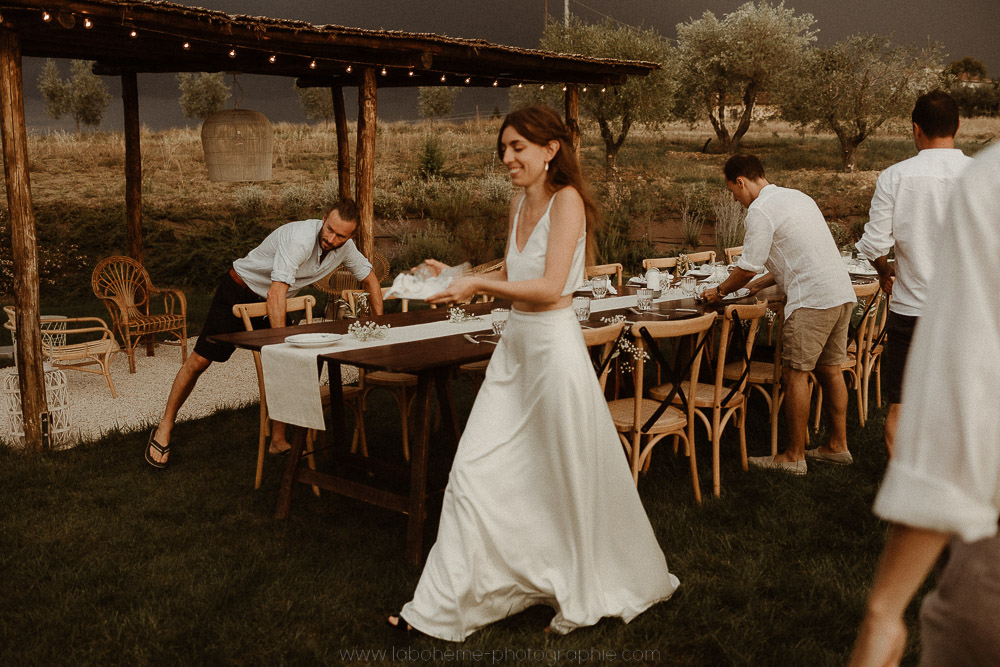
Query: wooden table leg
column 294, row 457
column 442, row 380
column 418, row 472
column 339, row 429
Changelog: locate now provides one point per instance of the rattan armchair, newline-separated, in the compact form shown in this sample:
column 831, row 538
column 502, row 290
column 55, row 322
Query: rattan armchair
column 61, row 343
column 127, row 291
column 340, row 281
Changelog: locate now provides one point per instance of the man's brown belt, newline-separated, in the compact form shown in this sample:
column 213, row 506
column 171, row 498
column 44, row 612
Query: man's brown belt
column 236, row 278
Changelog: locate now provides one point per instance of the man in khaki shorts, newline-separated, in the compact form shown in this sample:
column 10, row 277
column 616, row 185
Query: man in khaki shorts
column 787, row 235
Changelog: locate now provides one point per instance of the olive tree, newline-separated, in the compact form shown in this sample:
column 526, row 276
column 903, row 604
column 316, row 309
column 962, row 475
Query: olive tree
column 202, row 93
column 436, row 101
column 641, row 99
column 728, row 63
column 83, row 96
column 855, row 86
column 317, row 103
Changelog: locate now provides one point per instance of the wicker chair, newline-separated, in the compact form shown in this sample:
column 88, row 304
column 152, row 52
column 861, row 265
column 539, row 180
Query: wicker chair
column 60, row 344
column 127, row 291
column 341, row 280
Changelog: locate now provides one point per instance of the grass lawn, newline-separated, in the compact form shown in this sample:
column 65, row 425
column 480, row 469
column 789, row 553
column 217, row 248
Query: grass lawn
column 106, row 561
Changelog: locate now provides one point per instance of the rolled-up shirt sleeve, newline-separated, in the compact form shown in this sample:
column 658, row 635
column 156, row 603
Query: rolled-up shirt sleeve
column 289, row 255
column 945, row 470
column 877, row 239
column 354, row 261
column 757, row 242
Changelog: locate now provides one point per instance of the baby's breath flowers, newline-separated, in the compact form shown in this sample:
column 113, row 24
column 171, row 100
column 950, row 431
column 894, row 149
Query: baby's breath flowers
column 616, row 319
column 364, row 331
column 459, row 315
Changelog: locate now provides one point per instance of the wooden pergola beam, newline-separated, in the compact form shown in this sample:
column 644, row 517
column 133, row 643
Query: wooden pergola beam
column 24, row 243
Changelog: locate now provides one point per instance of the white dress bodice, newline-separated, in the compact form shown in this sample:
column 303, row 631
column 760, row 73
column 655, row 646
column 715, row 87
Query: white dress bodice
column 529, row 263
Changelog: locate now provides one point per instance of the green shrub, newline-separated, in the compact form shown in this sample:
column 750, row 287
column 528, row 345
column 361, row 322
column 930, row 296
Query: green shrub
column 297, row 202
column 431, row 161
column 729, row 215
column 434, row 241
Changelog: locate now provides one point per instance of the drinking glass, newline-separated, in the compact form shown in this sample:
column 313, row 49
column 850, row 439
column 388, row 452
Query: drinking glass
column 645, row 298
column 581, row 306
column 499, row 317
column 600, row 286
column 688, row 285
column 847, row 256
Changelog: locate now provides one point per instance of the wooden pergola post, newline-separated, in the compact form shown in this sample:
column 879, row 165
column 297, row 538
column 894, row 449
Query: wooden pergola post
column 133, row 167
column 573, row 115
column 31, row 375
column 364, row 177
column 343, row 142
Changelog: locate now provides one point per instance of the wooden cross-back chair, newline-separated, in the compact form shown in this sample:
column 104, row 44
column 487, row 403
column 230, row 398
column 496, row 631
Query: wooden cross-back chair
column 340, row 281
column 605, row 270
column 61, row 343
column 733, row 253
column 724, row 402
column 125, row 288
column 248, row 312
column 701, row 257
column 661, row 263
column 636, row 420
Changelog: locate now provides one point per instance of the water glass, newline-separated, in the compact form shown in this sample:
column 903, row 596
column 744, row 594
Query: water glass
column 645, row 298
column 600, row 286
column 847, row 256
column 688, row 285
column 581, row 306
column 499, row 317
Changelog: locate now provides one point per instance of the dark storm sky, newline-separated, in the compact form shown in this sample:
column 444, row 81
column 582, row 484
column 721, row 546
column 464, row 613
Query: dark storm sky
column 965, row 27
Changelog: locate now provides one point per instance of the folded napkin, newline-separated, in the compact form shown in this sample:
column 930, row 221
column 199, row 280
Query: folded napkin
column 587, row 287
column 418, row 286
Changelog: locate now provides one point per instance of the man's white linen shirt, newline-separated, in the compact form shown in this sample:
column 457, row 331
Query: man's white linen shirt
column 944, row 474
column 787, row 234
column 908, row 211
column 291, row 255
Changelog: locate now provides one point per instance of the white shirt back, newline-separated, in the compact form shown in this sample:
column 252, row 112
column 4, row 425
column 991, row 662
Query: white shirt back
column 908, row 210
column 787, row 234
column 291, row 255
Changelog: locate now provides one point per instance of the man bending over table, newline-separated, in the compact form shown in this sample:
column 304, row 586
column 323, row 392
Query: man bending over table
column 787, row 234
column 293, row 256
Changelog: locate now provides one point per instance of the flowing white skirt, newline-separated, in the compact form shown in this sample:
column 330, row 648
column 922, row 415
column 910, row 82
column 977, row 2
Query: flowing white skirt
column 540, row 506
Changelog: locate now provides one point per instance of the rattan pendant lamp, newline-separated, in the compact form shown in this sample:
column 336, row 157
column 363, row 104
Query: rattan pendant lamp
column 238, row 144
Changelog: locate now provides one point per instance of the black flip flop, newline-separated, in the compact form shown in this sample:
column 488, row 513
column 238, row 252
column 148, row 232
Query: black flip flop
column 160, row 449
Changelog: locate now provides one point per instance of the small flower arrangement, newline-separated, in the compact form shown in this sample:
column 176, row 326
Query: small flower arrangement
column 458, row 315
column 636, row 352
column 617, row 319
column 364, row 331
column 683, row 264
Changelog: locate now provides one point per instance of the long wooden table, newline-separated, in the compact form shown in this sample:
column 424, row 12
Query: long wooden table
column 432, row 361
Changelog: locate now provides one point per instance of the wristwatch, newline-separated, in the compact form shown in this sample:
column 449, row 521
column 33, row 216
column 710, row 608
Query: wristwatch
column 718, row 290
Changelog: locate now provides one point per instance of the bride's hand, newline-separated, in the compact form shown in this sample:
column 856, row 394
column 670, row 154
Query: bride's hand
column 460, row 290
column 432, row 266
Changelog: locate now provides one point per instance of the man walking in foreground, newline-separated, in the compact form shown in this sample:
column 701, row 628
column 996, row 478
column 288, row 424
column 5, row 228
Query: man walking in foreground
column 293, row 256
column 908, row 211
column 787, row 234
column 944, row 481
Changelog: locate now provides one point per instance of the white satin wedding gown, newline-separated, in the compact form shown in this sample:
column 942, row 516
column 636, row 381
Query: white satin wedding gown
column 540, row 506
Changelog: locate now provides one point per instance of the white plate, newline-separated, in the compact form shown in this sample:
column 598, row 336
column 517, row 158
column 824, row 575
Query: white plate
column 699, row 274
column 738, row 294
column 313, row 339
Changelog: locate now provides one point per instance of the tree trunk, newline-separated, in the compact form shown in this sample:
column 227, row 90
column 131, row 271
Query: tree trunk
column 612, row 145
column 133, row 167
column 343, row 143
column 719, row 123
column 572, row 102
column 364, row 178
column 749, row 99
column 848, row 153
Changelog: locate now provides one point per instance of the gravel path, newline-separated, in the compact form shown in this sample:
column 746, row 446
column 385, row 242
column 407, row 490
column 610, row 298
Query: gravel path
column 141, row 396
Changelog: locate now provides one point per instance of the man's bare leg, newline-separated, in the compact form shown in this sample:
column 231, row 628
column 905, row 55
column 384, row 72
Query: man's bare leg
column 184, row 382
column 796, row 408
column 891, row 420
column 835, row 402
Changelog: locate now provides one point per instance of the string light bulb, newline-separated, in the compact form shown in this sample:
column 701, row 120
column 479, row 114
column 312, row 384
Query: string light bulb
column 87, row 23
column 312, row 64
column 187, row 46
column 442, row 78
column 468, row 80
column 603, row 89
column 541, row 87
column 520, row 85
column 272, row 59
column 46, row 17
column 384, row 72
column 232, row 53
column 411, row 72
column 564, row 89
column 133, row 33
column 348, row 69
column 584, row 89
column 496, row 83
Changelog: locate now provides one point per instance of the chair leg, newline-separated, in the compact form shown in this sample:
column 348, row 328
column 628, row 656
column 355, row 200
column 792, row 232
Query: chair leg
column 716, row 473
column 404, row 418
column 741, row 421
column 130, row 353
column 776, row 397
column 693, row 462
column 261, row 445
column 311, row 456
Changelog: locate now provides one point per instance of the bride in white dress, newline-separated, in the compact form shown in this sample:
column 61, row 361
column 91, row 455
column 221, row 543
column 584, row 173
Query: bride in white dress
column 540, row 506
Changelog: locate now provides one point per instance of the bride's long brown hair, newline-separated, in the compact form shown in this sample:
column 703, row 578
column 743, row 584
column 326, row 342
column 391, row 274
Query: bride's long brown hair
column 540, row 125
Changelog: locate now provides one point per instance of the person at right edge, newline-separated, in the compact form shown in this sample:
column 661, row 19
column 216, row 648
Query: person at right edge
column 908, row 211
column 942, row 487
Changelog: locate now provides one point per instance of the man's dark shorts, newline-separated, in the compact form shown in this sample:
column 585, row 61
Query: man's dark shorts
column 898, row 333
column 220, row 318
